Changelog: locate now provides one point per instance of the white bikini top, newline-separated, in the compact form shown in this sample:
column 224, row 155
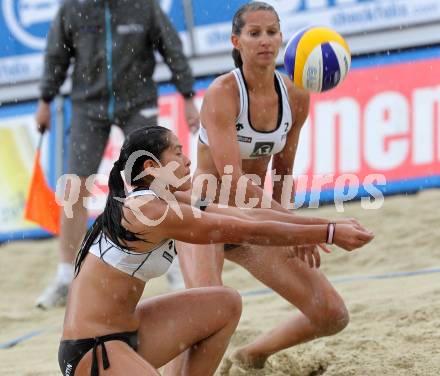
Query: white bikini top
column 253, row 143
column 144, row 266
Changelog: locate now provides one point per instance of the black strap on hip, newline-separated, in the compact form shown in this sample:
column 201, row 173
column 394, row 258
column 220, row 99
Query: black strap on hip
column 100, row 341
column 95, row 368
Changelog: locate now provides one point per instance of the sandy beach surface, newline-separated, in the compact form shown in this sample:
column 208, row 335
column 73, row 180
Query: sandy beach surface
column 391, row 287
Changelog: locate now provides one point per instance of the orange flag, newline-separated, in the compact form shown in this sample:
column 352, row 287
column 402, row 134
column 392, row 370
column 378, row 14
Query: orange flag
column 41, row 206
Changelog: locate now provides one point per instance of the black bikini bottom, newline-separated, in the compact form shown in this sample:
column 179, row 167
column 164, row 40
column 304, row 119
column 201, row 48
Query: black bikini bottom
column 71, row 351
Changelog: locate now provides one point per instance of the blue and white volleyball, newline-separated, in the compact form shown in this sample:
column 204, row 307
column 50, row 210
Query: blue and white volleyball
column 317, row 59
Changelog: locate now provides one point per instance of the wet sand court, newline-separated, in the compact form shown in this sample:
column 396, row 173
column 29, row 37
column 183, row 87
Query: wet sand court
column 391, row 287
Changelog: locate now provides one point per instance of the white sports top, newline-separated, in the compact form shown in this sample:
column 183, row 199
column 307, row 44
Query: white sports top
column 253, row 143
column 145, row 266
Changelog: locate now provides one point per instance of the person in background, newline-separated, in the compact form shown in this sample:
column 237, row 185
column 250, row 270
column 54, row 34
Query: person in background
column 111, row 45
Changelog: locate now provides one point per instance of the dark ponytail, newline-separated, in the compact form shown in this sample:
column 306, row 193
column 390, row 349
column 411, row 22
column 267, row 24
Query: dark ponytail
column 89, row 238
column 238, row 62
column 238, row 23
column 149, row 142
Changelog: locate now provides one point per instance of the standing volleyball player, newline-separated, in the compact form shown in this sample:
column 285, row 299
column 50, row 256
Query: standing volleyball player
column 107, row 330
column 250, row 116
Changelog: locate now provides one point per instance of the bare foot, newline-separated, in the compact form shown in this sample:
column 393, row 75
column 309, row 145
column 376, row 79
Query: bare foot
column 246, row 360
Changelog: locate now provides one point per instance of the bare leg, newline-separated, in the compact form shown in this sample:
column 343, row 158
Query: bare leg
column 201, row 320
column 201, row 265
column 322, row 309
column 73, row 229
column 322, row 313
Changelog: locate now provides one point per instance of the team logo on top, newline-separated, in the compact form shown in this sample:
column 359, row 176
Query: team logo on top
column 262, row 149
column 239, row 127
column 167, row 255
column 172, row 247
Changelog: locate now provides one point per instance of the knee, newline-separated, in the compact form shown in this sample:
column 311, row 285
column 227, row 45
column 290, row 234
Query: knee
column 233, row 303
column 339, row 317
column 333, row 318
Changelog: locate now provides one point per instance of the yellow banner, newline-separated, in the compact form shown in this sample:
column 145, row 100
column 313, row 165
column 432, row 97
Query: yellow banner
column 18, row 140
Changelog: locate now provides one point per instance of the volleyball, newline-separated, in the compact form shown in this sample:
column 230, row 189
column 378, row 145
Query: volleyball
column 317, row 59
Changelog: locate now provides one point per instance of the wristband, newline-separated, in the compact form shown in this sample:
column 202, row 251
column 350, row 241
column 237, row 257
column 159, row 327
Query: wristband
column 331, row 228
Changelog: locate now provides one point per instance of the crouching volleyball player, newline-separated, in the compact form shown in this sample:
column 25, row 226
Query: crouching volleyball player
column 107, row 329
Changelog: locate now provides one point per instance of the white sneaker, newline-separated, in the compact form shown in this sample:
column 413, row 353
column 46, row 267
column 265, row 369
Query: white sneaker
column 55, row 295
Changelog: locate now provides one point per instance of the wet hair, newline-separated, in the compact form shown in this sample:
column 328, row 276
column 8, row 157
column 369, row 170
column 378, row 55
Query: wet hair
column 140, row 145
column 238, row 23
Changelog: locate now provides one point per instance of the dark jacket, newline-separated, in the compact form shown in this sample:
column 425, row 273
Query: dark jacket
column 112, row 43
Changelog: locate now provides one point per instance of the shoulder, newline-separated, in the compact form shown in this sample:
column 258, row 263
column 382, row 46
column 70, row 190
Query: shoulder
column 296, row 95
column 77, row 9
column 73, row 5
column 222, row 93
column 299, row 99
column 223, row 85
column 67, row 5
column 142, row 211
column 153, row 7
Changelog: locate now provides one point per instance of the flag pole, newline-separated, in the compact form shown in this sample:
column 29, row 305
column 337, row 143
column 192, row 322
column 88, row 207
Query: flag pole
column 40, row 141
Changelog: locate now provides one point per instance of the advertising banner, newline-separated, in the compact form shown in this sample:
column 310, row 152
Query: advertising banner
column 18, row 143
column 381, row 125
column 213, row 19
column 25, row 23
